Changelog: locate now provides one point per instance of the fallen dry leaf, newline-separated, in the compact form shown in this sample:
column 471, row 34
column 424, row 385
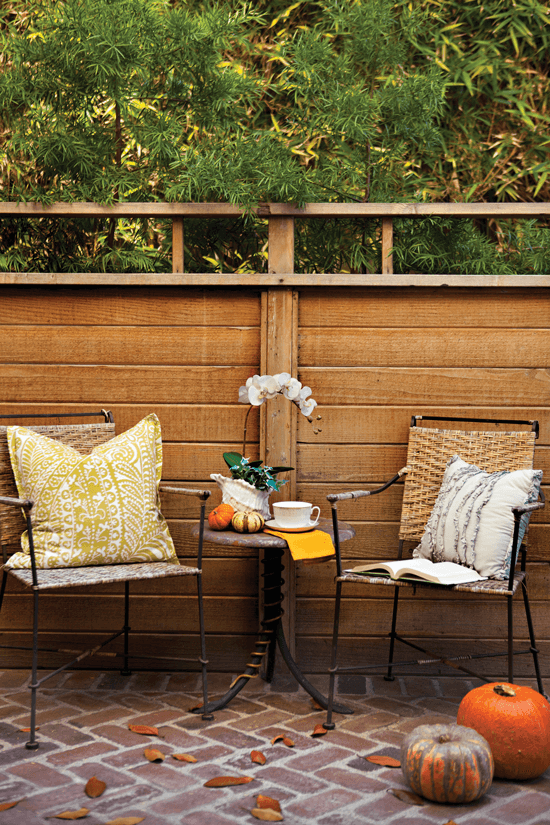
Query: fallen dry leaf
column 316, row 706
column 183, row 757
column 125, row 820
column 266, row 814
column 94, row 787
column 144, row 730
column 267, row 802
column 154, row 755
column 257, row 756
column 407, row 796
column 387, row 761
column 28, row 730
column 319, row 730
column 80, row 814
column 223, row 781
column 284, row 739
column 5, row 806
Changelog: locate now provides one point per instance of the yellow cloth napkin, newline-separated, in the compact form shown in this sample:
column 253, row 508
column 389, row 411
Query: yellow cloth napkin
column 311, row 547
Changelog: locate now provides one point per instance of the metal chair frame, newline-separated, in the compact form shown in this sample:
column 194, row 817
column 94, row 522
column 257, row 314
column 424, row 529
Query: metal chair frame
column 40, row 579
column 505, row 589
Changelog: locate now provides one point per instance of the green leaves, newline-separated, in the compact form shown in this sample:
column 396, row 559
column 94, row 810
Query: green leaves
column 263, row 478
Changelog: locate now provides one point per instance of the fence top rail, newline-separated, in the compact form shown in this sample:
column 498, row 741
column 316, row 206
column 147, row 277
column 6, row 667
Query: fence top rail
column 310, row 210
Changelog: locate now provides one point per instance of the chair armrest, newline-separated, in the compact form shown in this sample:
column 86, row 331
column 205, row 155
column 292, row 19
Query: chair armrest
column 186, row 491
column 528, row 508
column 26, row 503
column 335, row 497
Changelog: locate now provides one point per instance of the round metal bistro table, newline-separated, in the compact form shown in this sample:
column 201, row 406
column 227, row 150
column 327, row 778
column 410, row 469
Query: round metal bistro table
column 271, row 633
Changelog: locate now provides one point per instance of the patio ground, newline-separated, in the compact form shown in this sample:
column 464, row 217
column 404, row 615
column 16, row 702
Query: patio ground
column 84, row 718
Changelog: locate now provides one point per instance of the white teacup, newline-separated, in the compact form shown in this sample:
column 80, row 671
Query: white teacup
column 295, row 513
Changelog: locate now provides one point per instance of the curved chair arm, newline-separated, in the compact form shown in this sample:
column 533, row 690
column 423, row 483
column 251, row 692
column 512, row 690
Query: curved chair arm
column 25, row 503
column 334, row 498
column 186, row 491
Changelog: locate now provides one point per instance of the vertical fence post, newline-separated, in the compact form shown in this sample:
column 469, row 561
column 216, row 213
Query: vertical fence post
column 178, row 254
column 280, row 349
column 387, row 244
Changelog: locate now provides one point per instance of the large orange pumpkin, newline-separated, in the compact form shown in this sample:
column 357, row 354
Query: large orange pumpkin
column 515, row 720
column 220, row 517
column 447, row 763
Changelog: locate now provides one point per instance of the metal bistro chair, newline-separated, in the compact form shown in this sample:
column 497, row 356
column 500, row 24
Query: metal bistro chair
column 83, row 437
column 429, row 449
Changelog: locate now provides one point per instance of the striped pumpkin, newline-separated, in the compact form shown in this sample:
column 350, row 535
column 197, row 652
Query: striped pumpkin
column 447, row 763
column 247, row 522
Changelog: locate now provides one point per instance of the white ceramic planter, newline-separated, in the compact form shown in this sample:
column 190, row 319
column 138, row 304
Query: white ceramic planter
column 242, row 496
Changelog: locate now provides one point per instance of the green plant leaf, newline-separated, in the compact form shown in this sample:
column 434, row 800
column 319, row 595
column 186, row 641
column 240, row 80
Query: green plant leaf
column 232, row 459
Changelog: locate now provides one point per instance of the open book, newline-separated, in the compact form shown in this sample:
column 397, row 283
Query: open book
column 443, row 572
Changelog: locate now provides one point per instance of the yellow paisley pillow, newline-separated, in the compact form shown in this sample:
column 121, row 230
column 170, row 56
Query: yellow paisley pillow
column 102, row 508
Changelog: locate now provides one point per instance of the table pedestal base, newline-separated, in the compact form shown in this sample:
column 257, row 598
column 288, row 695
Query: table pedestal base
column 271, row 635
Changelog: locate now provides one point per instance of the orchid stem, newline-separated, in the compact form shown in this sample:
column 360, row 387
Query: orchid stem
column 244, row 431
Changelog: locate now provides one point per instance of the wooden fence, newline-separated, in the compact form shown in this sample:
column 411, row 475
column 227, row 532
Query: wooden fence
column 373, row 348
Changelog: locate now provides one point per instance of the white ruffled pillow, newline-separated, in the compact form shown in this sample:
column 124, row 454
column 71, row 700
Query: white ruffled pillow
column 472, row 521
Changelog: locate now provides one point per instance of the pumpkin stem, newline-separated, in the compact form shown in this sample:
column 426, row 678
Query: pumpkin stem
column 444, row 738
column 504, row 690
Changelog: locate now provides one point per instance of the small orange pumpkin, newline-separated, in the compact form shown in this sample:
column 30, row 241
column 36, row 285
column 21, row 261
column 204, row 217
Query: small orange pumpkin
column 247, row 522
column 447, row 763
column 220, row 517
column 515, row 720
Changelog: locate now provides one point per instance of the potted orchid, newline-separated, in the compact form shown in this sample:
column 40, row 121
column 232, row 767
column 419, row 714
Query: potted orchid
column 250, row 484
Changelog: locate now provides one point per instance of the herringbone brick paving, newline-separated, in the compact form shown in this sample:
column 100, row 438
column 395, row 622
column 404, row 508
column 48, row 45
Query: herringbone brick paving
column 84, row 718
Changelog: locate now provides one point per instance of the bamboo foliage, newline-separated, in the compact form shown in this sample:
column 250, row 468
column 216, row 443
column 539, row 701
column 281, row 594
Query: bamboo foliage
column 365, row 101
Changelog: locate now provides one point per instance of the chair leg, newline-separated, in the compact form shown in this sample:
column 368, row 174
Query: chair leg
column 534, row 649
column 329, row 724
column 203, row 660
column 3, row 588
column 125, row 669
column 388, row 677
column 510, row 641
column 32, row 744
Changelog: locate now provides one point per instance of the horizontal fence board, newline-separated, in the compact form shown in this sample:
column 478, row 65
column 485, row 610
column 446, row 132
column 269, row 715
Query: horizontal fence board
column 262, row 280
column 411, row 385
column 225, row 653
column 196, row 461
column 486, row 348
column 373, row 462
column 379, row 540
column 455, row 617
column 169, row 614
column 317, row 581
column 129, row 306
column 179, row 422
column 313, row 656
column 135, row 209
column 384, row 506
column 204, row 346
column 420, row 307
column 390, row 424
column 121, row 384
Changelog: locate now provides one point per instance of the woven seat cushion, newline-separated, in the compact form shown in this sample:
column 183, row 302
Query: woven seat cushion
column 472, row 521
column 96, row 509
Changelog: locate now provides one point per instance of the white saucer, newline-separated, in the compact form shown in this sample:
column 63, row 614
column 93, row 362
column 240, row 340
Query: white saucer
column 274, row 525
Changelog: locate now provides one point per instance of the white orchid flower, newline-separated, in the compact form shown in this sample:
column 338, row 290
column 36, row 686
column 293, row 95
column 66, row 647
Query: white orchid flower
column 243, row 395
column 307, row 406
column 290, row 386
column 266, row 386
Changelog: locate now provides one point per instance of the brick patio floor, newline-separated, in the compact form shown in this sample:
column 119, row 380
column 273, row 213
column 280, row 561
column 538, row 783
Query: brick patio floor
column 84, row 718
